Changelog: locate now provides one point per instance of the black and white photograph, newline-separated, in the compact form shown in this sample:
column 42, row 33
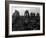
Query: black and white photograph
column 25, row 18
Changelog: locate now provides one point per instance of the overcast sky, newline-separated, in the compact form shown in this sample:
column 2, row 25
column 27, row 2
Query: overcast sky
column 22, row 10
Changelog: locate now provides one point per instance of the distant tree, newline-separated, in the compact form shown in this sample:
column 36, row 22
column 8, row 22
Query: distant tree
column 38, row 17
column 16, row 13
column 37, row 14
column 26, row 19
column 15, row 16
column 26, row 13
column 32, row 14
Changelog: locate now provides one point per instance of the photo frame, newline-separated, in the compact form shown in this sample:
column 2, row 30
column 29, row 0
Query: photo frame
column 32, row 7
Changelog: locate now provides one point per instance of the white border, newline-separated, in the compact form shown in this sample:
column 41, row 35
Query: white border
column 25, row 32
